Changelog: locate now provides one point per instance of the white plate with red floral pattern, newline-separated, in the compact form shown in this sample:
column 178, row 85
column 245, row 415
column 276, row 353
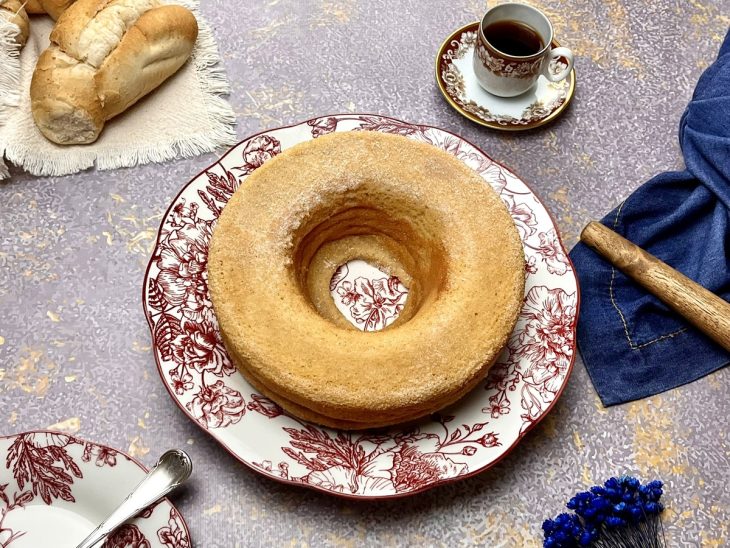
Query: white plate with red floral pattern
column 55, row 489
column 467, row 438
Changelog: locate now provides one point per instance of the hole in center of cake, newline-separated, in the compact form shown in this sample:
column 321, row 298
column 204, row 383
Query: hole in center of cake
column 367, row 297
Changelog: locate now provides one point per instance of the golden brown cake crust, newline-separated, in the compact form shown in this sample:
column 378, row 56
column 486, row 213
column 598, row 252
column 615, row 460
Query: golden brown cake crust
column 384, row 198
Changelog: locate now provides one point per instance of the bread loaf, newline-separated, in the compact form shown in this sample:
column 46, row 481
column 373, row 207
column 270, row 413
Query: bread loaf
column 54, row 8
column 16, row 12
column 104, row 56
column 34, row 7
column 65, row 105
column 13, row 12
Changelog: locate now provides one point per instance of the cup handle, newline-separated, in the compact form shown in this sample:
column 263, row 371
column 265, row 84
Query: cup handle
column 556, row 53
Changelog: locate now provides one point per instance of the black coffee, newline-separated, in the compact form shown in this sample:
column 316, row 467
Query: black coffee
column 513, row 38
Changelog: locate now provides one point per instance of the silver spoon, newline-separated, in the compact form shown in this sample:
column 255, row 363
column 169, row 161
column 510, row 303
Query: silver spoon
column 171, row 470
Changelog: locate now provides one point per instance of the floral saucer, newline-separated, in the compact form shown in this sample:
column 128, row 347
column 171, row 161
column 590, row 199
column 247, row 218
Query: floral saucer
column 465, row 439
column 54, row 489
column 458, row 84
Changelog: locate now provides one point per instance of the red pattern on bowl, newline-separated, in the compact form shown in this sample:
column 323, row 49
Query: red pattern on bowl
column 467, row 438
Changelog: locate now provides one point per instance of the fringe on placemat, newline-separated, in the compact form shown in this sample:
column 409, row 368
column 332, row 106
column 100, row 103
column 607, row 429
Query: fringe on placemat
column 212, row 78
column 220, row 132
column 9, row 80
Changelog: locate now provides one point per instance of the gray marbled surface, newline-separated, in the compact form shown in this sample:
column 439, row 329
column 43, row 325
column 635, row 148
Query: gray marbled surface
column 74, row 344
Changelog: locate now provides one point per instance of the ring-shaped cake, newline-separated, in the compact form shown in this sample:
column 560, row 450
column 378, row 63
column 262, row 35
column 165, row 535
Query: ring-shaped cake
column 410, row 209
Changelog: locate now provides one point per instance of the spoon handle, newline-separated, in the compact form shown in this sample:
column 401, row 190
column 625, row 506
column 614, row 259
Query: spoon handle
column 173, row 468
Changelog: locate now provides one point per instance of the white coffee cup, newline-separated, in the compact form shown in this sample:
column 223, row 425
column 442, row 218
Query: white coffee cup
column 506, row 75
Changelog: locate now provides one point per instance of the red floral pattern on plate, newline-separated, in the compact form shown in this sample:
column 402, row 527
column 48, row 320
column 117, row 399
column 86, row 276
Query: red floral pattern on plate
column 174, row 534
column 370, row 463
column 380, row 303
column 263, row 405
column 322, row 126
column 102, row 456
column 340, row 274
column 217, row 406
column 369, row 298
column 386, row 125
column 199, row 345
column 522, row 386
column 126, row 536
column 552, row 253
column 539, row 355
column 546, row 341
column 186, row 331
column 43, row 468
column 257, row 151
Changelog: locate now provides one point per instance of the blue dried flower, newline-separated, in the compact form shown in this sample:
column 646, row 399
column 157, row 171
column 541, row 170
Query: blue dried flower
column 562, row 532
column 653, row 508
column 614, row 522
column 588, row 537
column 652, row 491
column 621, row 513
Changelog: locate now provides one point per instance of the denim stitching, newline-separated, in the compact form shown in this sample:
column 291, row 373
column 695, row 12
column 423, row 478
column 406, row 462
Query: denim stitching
column 632, row 345
column 667, row 336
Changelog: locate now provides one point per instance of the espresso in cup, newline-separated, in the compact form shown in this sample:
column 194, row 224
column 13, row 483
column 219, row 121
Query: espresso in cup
column 514, row 47
column 514, row 38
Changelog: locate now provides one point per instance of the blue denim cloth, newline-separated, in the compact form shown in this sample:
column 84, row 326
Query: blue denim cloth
column 632, row 344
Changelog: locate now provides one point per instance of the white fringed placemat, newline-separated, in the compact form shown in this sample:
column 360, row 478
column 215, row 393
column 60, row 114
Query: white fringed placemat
column 185, row 116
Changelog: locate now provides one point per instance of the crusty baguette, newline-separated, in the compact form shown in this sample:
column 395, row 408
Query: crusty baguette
column 65, row 105
column 153, row 49
column 13, row 12
column 104, row 56
column 34, row 7
column 90, row 29
column 54, row 8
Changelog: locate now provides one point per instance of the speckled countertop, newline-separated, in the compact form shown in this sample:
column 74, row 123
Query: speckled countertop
column 75, row 347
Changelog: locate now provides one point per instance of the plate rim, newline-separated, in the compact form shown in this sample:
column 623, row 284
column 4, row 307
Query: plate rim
column 494, row 125
column 353, row 496
column 129, row 457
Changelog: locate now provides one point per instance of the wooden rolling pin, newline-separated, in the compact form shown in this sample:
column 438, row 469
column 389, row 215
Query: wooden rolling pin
column 702, row 308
